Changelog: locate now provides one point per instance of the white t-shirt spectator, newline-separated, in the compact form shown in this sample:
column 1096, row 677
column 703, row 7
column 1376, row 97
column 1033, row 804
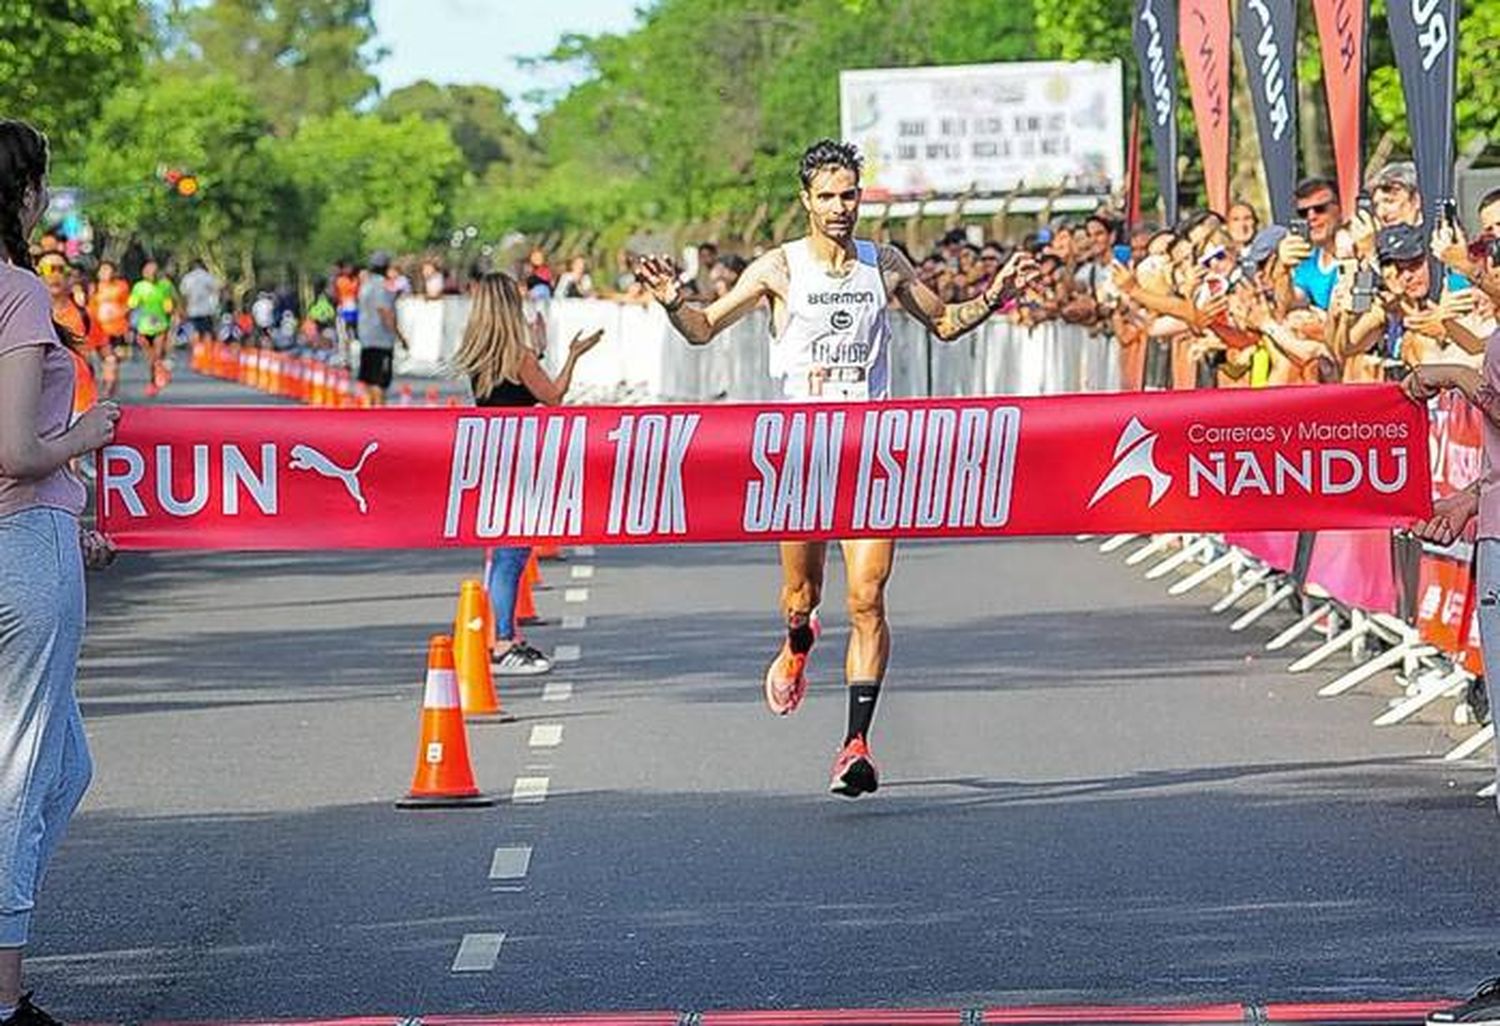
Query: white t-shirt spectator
column 375, row 296
column 201, row 292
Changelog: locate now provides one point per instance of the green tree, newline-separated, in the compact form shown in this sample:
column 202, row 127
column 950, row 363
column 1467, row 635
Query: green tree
column 369, row 183
column 211, row 127
column 1096, row 30
column 1478, row 91
column 59, row 60
column 705, row 106
column 302, row 57
column 478, row 117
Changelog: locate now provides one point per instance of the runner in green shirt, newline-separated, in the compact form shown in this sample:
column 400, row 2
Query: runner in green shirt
column 154, row 302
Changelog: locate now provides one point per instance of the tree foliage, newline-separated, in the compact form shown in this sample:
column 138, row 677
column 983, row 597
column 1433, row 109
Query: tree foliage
column 369, row 184
column 59, row 60
column 705, row 107
column 694, row 117
column 302, row 57
column 210, row 126
column 478, row 117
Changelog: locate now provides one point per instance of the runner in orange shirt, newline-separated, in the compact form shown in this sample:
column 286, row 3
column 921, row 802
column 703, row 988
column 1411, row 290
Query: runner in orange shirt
column 109, row 307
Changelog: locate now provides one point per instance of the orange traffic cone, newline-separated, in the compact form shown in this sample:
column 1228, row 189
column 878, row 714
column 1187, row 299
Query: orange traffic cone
column 443, row 776
column 471, row 656
column 533, row 572
column 526, row 614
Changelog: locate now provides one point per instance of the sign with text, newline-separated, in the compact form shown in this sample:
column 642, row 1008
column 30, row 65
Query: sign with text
column 242, row 478
column 990, row 127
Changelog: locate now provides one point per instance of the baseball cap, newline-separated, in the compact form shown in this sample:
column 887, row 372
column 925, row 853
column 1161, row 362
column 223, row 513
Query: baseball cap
column 380, row 260
column 1400, row 243
column 1399, row 172
column 1263, row 246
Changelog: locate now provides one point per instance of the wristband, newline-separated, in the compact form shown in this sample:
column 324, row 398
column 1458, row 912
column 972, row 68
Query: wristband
column 676, row 304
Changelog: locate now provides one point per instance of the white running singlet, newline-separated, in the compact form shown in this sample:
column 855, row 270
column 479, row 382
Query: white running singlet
column 835, row 344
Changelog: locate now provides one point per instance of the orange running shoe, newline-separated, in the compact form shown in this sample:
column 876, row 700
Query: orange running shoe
column 854, row 771
column 786, row 678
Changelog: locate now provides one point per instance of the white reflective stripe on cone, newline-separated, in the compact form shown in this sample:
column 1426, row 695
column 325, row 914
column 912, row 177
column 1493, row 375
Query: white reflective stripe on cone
column 441, row 691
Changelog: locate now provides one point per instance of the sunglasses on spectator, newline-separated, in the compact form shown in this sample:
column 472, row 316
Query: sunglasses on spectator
column 1316, row 208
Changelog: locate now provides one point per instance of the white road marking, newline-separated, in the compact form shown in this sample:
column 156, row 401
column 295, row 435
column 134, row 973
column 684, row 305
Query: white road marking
column 583, row 550
column 566, row 654
column 576, row 595
column 557, row 691
column 511, row 863
column 546, row 735
column 478, row 952
column 574, row 623
column 529, row 791
column 583, row 572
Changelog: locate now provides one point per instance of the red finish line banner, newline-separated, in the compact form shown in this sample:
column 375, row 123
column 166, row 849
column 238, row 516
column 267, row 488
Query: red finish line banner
column 238, row 478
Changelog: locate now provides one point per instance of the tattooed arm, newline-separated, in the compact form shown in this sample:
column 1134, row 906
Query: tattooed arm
column 950, row 320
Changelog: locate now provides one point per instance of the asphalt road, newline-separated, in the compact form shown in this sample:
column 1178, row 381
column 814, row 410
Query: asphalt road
column 1091, row 792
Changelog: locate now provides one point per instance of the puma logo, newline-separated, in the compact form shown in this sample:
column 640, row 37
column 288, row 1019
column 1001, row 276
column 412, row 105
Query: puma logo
column 305, row 457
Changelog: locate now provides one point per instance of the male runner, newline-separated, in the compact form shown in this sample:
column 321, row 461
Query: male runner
column 828, row 294
column 154, row 300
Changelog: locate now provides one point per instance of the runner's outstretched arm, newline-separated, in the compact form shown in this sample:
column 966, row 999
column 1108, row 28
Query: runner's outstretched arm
column 950, row 320
column 700, row 324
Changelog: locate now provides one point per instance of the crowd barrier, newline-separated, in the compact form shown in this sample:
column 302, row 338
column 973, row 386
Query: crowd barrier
column 1391, row 603
column 1388, row 602
column 642, row 359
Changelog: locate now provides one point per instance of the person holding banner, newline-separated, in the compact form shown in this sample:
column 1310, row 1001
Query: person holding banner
column 828, row 294
column 503, row 370
column 44, row 758
column 1452, row 514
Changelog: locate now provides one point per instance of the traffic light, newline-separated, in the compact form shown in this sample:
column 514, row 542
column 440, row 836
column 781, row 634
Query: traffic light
column 183, row 183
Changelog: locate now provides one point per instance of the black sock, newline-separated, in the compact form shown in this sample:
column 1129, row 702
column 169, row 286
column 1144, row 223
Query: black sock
column 799, row 633
column 862, row 697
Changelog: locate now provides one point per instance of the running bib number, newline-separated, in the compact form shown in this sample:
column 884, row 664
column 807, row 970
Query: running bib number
column 845, row 384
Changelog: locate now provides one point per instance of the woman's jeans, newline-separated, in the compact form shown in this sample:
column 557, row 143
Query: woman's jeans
column 504, row 583
column 44, row 756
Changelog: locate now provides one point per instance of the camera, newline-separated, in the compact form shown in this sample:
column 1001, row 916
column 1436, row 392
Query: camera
column 1363, row 295
column 1363, row 204
column 1298, row 227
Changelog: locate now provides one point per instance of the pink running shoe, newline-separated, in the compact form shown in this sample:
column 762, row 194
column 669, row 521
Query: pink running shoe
column 854, row 771
column 786, row 678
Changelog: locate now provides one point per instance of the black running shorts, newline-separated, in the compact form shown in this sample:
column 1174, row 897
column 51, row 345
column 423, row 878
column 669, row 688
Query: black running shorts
column 376, row 367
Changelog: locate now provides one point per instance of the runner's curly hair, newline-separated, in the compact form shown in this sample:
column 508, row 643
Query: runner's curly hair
column 826, row 154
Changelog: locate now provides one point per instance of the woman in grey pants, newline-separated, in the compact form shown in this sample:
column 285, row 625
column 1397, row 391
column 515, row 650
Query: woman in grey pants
column 44, row 759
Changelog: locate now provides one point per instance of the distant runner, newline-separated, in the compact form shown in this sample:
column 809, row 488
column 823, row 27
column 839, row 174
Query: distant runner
column 829, row 294
column 154, row 301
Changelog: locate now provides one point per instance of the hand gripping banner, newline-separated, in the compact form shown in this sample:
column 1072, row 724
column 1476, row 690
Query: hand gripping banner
column 1205, row 54
column 1154, row 32
column 245, row 478
column 1268, row 40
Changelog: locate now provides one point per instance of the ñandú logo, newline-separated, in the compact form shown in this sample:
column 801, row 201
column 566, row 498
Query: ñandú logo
column 1135, row 456
column 305, row 457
